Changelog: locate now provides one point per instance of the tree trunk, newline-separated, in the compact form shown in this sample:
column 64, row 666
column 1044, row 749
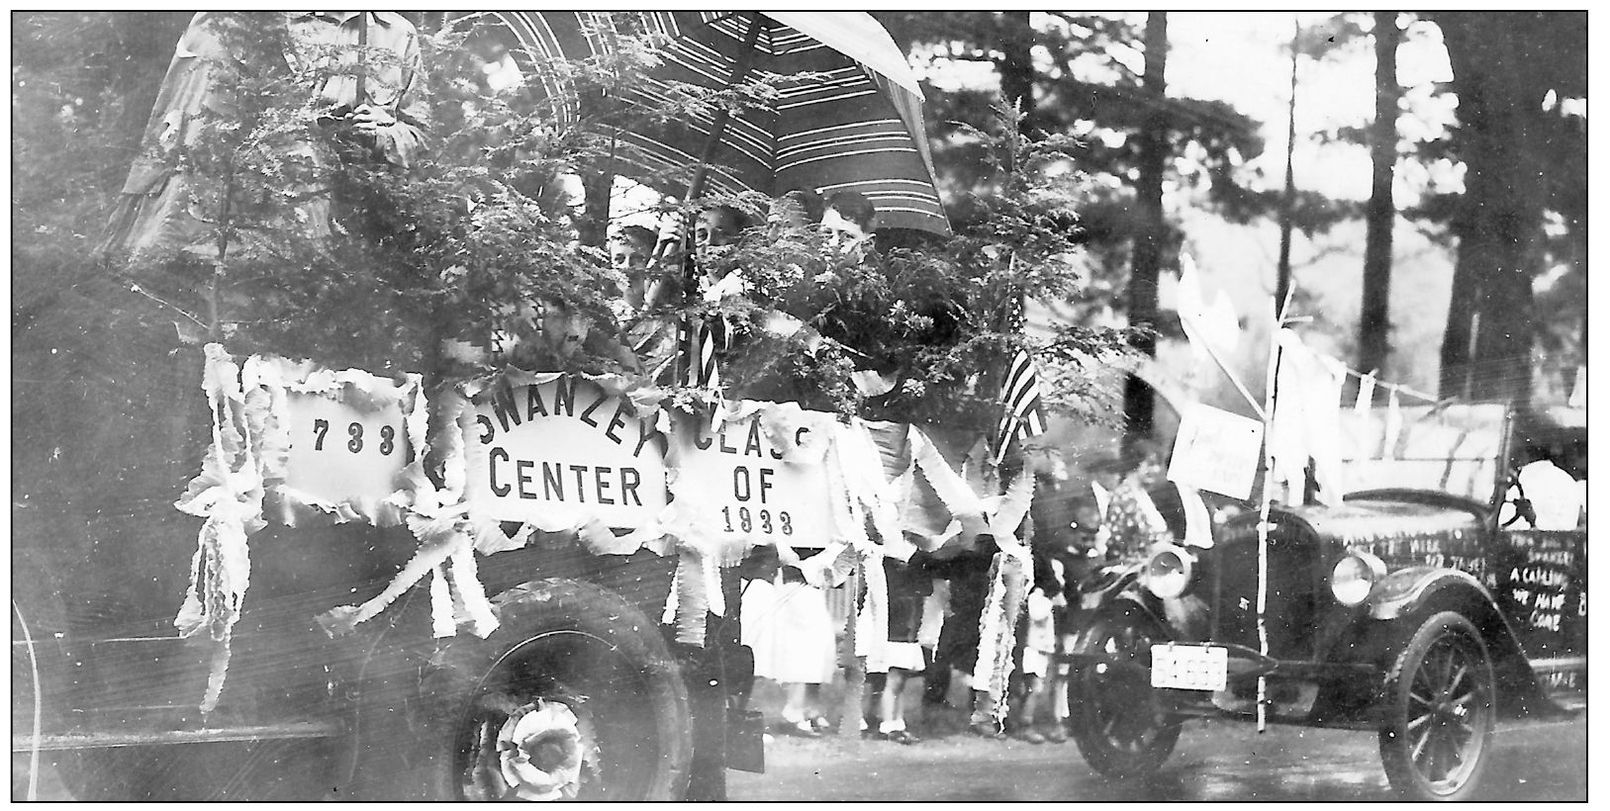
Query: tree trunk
column 1017, row 66
column 1486, row 350
column 593, row 225
column 1139, row 400
column 1374, row 321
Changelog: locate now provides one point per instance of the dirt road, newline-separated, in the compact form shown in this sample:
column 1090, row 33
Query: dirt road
column 1216, row 760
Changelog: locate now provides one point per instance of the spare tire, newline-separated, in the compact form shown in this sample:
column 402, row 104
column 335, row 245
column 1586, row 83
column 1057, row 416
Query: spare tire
column 575, row 685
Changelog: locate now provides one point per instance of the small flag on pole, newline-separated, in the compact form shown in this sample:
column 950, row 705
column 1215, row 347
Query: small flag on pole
column 701, row 369
column 1020, row 403
column 701, row 338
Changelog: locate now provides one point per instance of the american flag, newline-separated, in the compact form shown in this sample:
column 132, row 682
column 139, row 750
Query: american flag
column 1020, row 403
column 702, row 337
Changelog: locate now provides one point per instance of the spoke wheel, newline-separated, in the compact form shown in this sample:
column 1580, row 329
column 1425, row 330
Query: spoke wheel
column 1441, row 716
column 1117, row 722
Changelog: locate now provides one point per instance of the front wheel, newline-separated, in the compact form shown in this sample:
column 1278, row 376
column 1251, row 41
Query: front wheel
column 1117, row 722
column 1441, row 712
column 575, row 696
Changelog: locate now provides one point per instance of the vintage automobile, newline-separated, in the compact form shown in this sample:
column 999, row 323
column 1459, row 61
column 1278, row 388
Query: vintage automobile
column 1407, row 609
column 109, row 691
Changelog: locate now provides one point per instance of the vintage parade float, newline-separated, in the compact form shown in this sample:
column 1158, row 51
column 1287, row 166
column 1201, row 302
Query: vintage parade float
column 474, row 570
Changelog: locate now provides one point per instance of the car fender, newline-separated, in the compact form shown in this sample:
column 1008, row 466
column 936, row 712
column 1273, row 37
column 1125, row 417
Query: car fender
column 1418, row 591
column 1115, row 602
column 1406, row 591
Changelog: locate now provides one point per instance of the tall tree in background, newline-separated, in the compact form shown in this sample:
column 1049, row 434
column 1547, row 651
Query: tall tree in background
column 1087, row 82
column 1374, row 322
column 1147, row 259
column 1523, row 158
column 1017, row 67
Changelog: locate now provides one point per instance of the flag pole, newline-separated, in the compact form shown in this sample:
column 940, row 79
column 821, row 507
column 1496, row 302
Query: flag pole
column 1264, row 499
column 363, row 60
column 1198, row 340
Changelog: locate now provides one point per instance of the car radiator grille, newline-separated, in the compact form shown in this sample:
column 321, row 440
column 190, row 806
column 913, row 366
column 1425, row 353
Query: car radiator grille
column 1290, row 603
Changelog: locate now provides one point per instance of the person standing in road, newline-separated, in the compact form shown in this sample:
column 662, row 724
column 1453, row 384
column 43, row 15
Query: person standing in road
column 888, row 673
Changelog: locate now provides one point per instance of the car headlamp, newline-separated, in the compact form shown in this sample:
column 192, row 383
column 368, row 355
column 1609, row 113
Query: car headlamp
column 1168, row 572
column 1355, row 576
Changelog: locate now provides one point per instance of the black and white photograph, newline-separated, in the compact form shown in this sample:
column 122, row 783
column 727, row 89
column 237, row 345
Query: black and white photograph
column 914, row 405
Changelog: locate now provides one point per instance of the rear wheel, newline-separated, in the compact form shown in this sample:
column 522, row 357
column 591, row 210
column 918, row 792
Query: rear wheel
column 575, row 696
column 1441, row 712
column 1113, row 709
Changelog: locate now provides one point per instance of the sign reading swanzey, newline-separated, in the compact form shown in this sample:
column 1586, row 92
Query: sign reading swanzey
column 562, row 451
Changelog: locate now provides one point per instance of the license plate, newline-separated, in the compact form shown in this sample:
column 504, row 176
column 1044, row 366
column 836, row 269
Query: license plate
column 1190, row 667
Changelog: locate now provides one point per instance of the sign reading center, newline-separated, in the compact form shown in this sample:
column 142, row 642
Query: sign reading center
column 746, row 486
column 558, row 453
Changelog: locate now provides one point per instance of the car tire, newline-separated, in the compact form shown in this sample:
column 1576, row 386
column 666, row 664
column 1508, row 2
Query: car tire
column 1441, row 713
column 431, row 734
column 1112, row 708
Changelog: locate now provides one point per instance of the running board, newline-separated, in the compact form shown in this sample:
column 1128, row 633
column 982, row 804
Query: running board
column 22, row 742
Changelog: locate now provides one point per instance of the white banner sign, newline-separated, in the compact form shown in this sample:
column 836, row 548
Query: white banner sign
column 342, row 454
column 1216, row 451
column 760, row 478
column 559, row 453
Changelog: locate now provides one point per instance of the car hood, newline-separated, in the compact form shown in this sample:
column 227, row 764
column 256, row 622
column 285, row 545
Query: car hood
column 1365, row 521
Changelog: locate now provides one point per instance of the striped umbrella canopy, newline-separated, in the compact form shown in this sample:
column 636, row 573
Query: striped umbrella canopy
column 847, row 114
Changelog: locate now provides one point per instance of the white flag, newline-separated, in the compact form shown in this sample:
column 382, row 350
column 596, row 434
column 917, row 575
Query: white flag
column 1212, row 326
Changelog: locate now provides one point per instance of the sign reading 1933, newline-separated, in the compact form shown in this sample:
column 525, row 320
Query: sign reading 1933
column 748, row 485
column 561, row 452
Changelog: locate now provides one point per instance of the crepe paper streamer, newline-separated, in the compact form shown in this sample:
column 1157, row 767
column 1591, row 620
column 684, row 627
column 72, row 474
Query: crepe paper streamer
column 228, row 494
column 996, row 630
column 1394, row 426
column 861, row 475
column 871, row 621
column 1009, row 512
column 476, row 611
column 715, row 598
column 1366, row 394
column 436, row 545
column 831, row 566
column 441, row 604
column 688, row 602
column 446, row 552
column 1010, row 573
column 952, row 488
column 1198, row 524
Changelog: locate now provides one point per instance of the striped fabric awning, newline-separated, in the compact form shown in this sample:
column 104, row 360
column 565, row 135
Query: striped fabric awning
column 847, row 114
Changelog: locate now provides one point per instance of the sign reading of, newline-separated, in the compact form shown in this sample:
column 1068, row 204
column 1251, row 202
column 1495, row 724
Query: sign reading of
column 1216, row 451
column 342, row 454
column 560, row 452
column 751, row 489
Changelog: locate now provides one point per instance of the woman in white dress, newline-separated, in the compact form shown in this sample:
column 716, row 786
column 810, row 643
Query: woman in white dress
column 787, row 626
